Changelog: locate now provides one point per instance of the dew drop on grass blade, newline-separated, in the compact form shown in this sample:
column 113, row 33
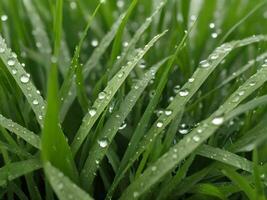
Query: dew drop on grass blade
column 107, row 94
column 210, row 125
column 23, row 80
column 63, row 186
column 98, row 149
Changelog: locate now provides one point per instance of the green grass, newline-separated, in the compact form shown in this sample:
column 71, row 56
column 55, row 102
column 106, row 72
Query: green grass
column 141, row 99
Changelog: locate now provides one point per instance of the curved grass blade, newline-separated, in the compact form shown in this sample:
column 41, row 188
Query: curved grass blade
column 97, row 152
column 63, row 186
column 135, row 39
column 198, row 135
column 240, row 181
column 210, row 190
column 12, row 171
column 68, row 92
column 225, row 157
column 23, row 80
column 105, row 97
column 20, row 131
column 75, row 65
column 188, row 90
column 15, row 149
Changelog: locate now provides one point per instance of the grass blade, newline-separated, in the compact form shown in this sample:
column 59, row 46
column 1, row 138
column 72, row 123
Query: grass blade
column 63, row 186
column 105, row 96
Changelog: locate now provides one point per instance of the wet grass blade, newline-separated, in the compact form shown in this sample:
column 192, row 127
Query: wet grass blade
column 198, row 135
column 20, row 131
column 63, row 186
column 22, row 78
column 14, row 170
column 105, row 97
column 98, row 150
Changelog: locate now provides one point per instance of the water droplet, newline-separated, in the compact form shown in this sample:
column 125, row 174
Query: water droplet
column 135, row 194
column 214, row 35
column 35, row 102
column 123, row 126
column 159, row 124
column 217, row 121
column 241, row 93
column 214, row 56
column 4, row 18
column 11, row 62
column 204, row 64
column 212, row 25
column 92, row 112
column 14, row 71
column 154, row 168
column 103, row 142
column 120, row 74
column 102, row 95
column 168, row 112
column 125, row 44
column 176, row 89
column 183, row 131
column 196, row 138
column 191, row 80
column 24, row 78
column 120, row 4
column 94, row 43
column 2, row 50
column 183, row 93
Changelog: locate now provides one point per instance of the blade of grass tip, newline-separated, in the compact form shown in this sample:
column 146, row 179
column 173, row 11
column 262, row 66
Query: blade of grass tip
column 105, row 96
column 15, row 170
column 233, row 76
column 55, row 148
column 144, row 121
column 225, row 157
column 107, row 134
column 118, row 39
column 67, row 91
column 186, row 92
column 210, row 190
column 240, row 181
column 22, row 78
column 63, row 186
column 135, row 39
column 20, row 131
column 240, row 22
column 189, row 143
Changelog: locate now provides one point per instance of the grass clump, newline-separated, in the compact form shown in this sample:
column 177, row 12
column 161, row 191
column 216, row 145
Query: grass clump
column 142, row 99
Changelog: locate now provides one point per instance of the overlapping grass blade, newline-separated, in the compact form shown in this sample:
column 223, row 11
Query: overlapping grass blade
column 97, row 152
column 14, row 170
column 20, row 131
column 63, row 186
column 225, row 157
column 187, row 145
column 105, row 97
column 210, row 190
column 55, row 148
column 68, row 90
column 23, row 80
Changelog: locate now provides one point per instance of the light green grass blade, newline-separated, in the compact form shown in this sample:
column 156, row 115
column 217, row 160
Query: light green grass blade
column 75, row 63
column 68, row 92
column 63, row 186
column 23, row 80
column 135, row 39
column 198, row 135
column 225, row 157
column 209, row 189
column 14, row 170
column 20, row 131
column 55, row 148
column 107, row 134
column 105, row 97
column 240, row 181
